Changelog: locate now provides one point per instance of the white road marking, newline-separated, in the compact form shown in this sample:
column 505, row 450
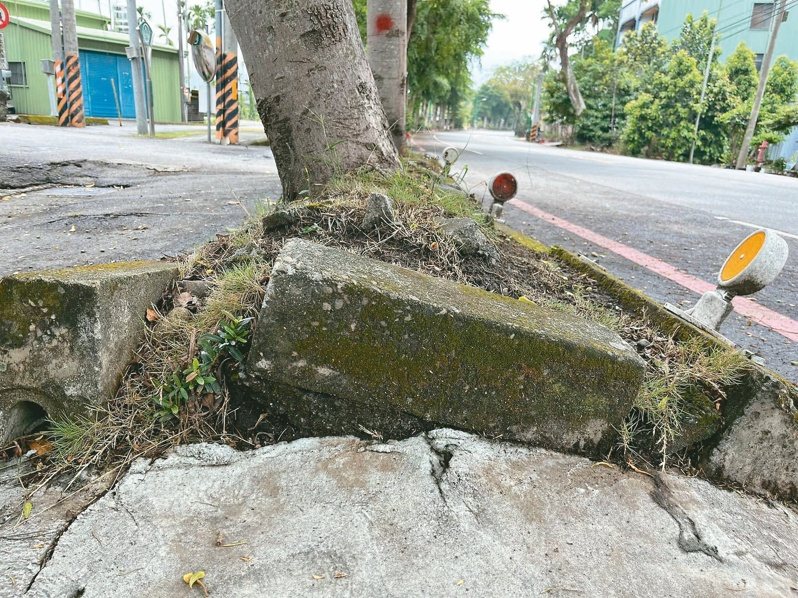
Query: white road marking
column 441, row 141
column 756, row 226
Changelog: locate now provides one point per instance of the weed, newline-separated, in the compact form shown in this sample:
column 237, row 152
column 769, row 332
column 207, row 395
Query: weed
column 71, row 435
column 236, row 292
column 202, row 375
column 683, row 384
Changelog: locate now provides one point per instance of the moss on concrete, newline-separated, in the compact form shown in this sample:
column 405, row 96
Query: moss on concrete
column 350, row 327
column 522, row 239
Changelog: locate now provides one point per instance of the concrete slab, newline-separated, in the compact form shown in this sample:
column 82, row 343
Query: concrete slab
column 436, row 515
column 386, row 337
column 67, row 336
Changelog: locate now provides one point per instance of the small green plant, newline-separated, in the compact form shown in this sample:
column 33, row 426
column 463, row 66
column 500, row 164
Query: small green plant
column 227, row 341
column 683, row 385
column 201, row 377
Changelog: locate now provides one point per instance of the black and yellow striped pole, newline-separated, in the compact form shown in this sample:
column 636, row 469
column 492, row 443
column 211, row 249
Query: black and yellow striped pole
column 61, row 93
column 226, row 79
column 74, row 90
column 66, row 62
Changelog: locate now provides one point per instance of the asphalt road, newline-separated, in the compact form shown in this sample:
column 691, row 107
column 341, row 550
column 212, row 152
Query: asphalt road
column 688, row 217
column 100, row 194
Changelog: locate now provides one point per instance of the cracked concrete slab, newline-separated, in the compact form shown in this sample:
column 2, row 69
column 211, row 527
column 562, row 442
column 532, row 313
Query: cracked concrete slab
column 433, row 515
column 25, row 544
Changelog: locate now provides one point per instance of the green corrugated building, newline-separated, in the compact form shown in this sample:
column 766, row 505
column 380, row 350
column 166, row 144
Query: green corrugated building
column 105, row 69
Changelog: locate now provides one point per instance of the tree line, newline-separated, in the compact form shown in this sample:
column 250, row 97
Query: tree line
column 644, row 98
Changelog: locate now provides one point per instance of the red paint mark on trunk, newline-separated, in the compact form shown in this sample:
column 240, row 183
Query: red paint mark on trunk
column 384, row 23
column 760, row 314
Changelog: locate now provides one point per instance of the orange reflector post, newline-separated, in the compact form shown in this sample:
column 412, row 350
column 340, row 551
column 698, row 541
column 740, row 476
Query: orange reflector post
column 742, row 256
column 503, row 187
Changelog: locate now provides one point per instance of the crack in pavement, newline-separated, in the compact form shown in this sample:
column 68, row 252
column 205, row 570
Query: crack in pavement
column 690, row 539
column 48, row 554
column 440, row 458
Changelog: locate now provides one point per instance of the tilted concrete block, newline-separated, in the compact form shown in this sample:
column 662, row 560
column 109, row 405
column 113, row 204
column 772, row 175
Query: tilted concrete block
column 759, row 447
column 385, row 337
column 66, row 336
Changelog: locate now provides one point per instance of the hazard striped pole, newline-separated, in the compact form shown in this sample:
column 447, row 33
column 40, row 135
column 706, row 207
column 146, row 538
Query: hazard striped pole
column 58, row 64
column 227, row 113
column 74, row 86
column 74, row 91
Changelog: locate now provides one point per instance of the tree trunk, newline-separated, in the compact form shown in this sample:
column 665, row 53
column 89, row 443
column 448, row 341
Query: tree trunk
column 561, row 42
column 571, row 85
column 316, row 94
column 411, row 18
column 387, row 55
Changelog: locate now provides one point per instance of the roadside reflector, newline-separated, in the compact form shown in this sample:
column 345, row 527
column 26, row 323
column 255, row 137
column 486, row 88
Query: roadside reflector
column 503, row 187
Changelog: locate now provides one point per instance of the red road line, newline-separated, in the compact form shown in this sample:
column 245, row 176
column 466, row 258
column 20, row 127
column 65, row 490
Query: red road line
column 760, row 314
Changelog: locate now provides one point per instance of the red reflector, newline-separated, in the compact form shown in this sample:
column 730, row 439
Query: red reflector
column 503, row 187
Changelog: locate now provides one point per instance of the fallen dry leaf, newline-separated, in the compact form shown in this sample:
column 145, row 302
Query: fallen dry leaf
column 152, row 315
column 184, row 299
column 318, row 577
column 41, row 446
column 195, row 577
column 340, row 575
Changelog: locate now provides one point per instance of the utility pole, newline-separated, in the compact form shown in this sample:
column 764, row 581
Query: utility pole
column 3, row 89
column 707, row 71
column 538, row 92
column 134, row 54
column 181, row 6
column 74, row 84
column 386, row 51
column 742, row 158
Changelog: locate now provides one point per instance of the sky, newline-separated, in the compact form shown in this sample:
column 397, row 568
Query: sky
column 521, row 34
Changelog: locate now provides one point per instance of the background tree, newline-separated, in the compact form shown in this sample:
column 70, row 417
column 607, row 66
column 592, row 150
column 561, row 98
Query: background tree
column 321, row 121
column 572, row 18
column 662, row 126
column 505, row 99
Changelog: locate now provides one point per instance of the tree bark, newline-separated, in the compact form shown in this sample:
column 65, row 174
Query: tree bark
column 561, row 42
column 411, row 18
column 316, row 94
column 387, row 55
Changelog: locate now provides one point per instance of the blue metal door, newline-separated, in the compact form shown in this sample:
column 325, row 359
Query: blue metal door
column 98, row 70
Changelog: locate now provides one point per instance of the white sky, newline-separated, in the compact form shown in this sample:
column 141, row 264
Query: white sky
column 521, row 34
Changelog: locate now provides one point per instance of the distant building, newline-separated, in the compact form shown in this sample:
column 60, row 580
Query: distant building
column 739, row 21
column 105, row 69
column 635, row 14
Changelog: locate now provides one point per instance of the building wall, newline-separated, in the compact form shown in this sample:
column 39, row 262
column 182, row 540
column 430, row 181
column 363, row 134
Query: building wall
column 40, row 10
column 733, row 25
column 30, row 47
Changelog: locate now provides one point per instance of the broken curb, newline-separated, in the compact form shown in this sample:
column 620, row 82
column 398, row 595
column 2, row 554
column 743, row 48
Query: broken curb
column 382, row 336
column 67, row 336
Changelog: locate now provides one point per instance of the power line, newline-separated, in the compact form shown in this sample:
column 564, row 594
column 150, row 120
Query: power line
column 744, row 28
column 681, row 25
